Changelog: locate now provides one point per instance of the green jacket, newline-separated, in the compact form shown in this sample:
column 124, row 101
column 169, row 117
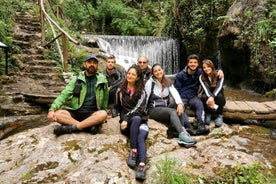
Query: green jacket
column 75, row 102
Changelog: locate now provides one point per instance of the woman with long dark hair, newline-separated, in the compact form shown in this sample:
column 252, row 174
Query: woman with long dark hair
column 131, row 104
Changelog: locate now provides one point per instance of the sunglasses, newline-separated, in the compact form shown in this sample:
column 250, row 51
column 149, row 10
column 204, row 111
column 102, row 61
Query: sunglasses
column 140, row 62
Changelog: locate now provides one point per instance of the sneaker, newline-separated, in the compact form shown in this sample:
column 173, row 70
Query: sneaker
column 190, row 129
column 202, row 130
column 65, row 129
column 141, row 172
column 131, row 160
column 207, row 119
column 219, row 120
column 186, row 140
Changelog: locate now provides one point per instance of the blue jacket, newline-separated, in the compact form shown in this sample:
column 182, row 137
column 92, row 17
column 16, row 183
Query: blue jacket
column 187, row 85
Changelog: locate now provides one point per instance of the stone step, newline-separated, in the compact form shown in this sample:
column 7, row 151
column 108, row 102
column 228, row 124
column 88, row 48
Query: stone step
column 27, row 19
column 27, row 37
column 16, row 105
column 35, row 60
column 36, row 49
column 31, row 59
column 44, row 76
column 23, row 44
column 42, row 69
column 29, row 28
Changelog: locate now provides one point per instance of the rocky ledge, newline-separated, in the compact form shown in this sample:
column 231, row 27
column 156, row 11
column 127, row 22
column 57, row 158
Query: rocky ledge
column 36, row 155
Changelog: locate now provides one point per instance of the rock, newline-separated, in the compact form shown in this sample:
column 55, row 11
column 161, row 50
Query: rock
column 36, row 155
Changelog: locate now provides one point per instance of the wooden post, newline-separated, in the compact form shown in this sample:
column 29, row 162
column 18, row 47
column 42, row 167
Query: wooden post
column 42, row 22
column 6, row 53
column 64, row 53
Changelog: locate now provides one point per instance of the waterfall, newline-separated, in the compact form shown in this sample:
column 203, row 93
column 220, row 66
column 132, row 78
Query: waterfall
column 127, row 49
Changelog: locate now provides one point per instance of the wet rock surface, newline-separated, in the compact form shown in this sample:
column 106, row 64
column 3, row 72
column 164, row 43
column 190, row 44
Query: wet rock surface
column 36, row 155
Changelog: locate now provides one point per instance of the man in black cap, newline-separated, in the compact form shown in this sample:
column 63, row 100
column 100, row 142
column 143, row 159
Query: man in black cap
column 87, row 98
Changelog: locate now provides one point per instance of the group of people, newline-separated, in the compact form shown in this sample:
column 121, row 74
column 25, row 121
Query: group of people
column 138, row 94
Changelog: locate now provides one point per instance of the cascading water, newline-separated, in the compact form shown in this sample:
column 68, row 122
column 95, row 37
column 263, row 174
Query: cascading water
column 127, row 49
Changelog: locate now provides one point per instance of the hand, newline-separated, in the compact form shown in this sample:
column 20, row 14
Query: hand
column 211, row 102
column 123, row 125
column 51, row 116
column 180, row 109
column 220, row 74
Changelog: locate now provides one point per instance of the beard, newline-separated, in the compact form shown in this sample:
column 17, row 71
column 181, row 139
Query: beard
column 193, row 69
column 91, row 70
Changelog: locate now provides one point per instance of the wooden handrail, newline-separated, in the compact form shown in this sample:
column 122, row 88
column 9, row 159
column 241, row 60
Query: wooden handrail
column 64, row 34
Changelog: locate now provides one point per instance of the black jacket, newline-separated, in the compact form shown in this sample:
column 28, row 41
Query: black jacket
column 130, row 106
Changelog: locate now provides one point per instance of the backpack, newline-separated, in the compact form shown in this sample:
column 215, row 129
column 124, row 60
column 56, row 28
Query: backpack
column 157, row 101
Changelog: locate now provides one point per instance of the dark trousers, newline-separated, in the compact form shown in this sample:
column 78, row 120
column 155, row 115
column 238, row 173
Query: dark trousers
column 137, row 130
column 196, row 104
column 219, row 100
column 166, row 114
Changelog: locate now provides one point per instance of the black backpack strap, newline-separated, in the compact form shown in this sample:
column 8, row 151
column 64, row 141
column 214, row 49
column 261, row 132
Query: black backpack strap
column 77, row 89
column 152, row 87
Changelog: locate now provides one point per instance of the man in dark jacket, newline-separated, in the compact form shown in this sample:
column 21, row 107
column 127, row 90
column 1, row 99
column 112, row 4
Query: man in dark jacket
column 114, row 77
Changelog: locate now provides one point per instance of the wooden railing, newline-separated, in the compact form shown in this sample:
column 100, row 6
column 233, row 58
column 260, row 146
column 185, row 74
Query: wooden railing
column 64, row 36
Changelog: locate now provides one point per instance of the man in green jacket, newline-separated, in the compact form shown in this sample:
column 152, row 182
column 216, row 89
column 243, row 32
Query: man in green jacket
column 87, row 99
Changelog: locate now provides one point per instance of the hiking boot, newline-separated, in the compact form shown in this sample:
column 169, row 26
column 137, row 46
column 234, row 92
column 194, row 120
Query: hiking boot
column 208, row 119
column 65, row 129
column 94, row 130
column 185, row 140
column 131, row 160
column 202, row 130
column 141, row 172
column 190, row 129
column 114, row 113
column 219, row 120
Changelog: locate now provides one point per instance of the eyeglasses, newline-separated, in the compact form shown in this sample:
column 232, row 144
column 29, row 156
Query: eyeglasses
column 142, row 62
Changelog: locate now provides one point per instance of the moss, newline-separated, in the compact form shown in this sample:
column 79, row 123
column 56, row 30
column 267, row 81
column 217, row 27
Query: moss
column 27, row 176
column 70, row 158
column 40, row 167
column 271, row 94
column 71, row 145
column 255, row 130
column 35, row 140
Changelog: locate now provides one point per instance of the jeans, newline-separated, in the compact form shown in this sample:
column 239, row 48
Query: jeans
column 196, row 104
column 137, row 130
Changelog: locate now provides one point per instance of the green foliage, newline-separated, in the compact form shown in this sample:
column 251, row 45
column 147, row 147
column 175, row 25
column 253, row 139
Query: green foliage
column 251, row 174
column 170, row 171
column 106, row 17
column 7, row 10
column 195, row 20
column 260, row 35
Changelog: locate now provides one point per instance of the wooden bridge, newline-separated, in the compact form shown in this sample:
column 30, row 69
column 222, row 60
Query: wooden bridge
column 248, row 110
column 245, row 110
